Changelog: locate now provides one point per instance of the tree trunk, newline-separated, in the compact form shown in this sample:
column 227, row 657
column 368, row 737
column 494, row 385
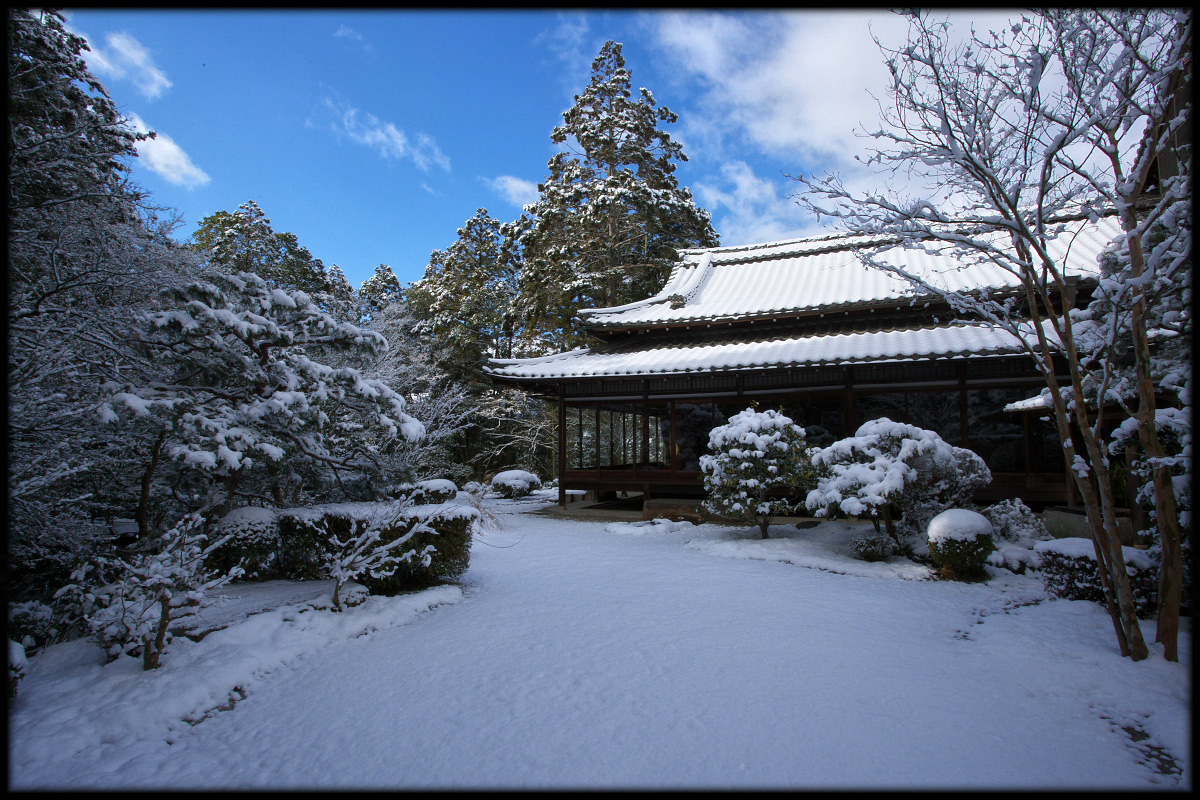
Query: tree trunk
column 143, row 510
column 152, row 649
column 1099, row 502
column 1170, row 572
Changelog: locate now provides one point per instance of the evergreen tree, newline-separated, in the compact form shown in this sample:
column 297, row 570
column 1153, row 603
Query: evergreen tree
column 246, row 399
column 611, row 215
column 244, row 241
column 84, row 251
column 466, row 295
column 66, row 140
column 379, row 291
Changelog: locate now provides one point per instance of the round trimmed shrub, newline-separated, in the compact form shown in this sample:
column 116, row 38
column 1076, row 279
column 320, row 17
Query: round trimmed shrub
column 1013, row 521
column 515, row 483
column 960, row 542
column 873, row 545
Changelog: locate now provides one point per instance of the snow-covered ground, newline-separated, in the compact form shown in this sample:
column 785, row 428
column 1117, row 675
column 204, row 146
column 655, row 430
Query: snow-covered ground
column 591, row 654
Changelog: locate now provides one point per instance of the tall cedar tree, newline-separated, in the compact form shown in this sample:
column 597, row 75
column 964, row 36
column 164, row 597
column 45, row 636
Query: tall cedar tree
column 611, row 215
column 466, row 295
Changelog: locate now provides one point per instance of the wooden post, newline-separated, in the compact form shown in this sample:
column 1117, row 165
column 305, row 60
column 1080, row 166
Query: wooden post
column 562, row 449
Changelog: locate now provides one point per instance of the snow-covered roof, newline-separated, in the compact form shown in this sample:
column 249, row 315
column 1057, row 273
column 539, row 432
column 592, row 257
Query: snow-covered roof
column 823, row 273
column 942, row 341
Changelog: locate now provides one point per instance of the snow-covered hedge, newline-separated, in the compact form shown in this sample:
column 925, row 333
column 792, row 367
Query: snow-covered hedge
column 449, row 529
column 306, row 531
column 514, row 483
column 424, row 492
column 1070, row 572
column 254, row 542
column 960, row 541
column 756, row 460
column 434, row 491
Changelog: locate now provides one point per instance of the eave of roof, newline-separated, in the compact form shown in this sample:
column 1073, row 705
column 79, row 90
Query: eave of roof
column 878, row 346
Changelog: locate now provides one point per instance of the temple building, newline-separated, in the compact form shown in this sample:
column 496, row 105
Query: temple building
column 803, row 327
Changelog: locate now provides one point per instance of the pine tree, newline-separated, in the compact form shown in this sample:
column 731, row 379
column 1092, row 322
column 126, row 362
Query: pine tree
column 84, row 251
column 247, row 400
column 611, row 215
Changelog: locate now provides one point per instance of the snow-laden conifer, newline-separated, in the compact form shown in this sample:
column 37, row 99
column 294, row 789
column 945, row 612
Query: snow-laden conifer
column 243, row 390
column 757, row 462
column 611, row 214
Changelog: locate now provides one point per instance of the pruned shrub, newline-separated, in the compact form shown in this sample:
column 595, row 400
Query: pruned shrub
column 448, row 529
column 433, row 492
column 893, row 466
column 1070, row 572
column 756, row 462
column 253, row 542
column 873, row 545
column 1013, row 521
column 34, row 624
column 960, row 542
column 515, row 483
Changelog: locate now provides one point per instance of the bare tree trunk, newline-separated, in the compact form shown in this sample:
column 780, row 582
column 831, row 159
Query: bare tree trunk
column 1099, row 502
column 152, row 650
column 1100, row 505
column 1170, row 572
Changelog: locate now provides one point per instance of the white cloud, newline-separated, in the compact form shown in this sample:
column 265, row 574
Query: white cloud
column 349, row 34
column 517, row 191
column 747, row 208
column 391, row 142
column 568, row 42
column 126, row 58
column 167, row 159
column 796, row 84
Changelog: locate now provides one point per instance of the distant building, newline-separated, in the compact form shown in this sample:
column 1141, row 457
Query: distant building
column 801, row 326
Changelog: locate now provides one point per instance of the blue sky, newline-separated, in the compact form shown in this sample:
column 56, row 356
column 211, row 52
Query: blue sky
column 374, row 135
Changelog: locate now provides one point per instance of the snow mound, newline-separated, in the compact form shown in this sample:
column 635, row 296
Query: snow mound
column 649, row 526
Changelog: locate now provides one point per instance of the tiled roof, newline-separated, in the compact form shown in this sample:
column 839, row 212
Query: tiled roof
column 822, row 273
column 943, row 341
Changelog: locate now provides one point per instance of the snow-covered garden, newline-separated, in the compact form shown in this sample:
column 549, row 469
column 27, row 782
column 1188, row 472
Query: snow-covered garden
column 577, row 654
